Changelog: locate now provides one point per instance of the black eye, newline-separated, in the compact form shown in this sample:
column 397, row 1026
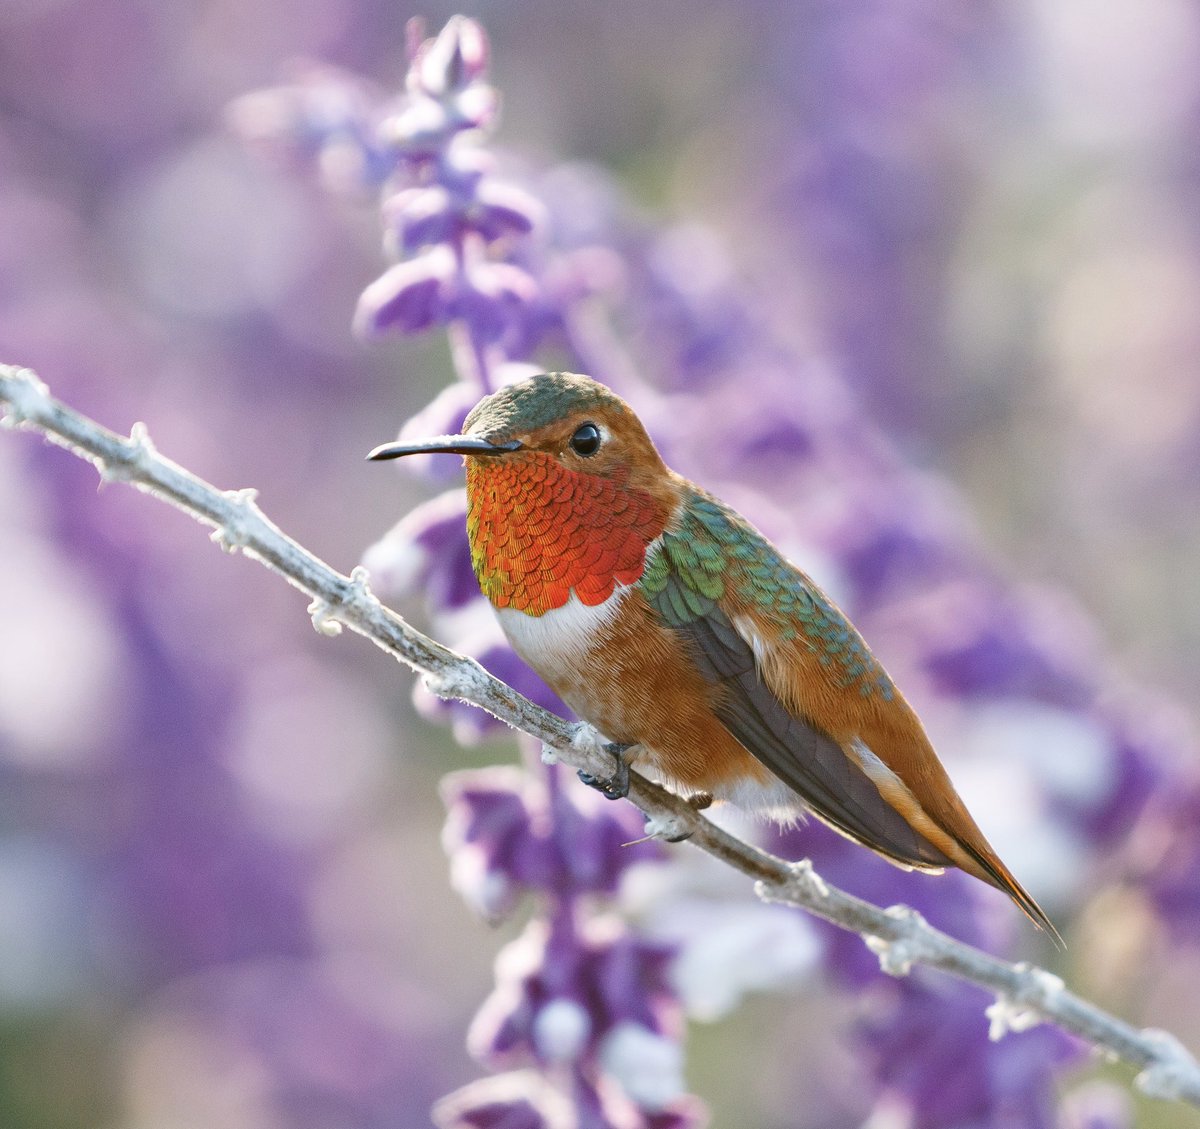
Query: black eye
column 586, row 441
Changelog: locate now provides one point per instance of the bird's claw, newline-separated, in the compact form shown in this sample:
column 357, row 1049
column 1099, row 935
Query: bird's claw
column 615, row 787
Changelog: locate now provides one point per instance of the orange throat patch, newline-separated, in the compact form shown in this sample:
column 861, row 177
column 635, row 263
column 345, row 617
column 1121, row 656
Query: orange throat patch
column 539, row 531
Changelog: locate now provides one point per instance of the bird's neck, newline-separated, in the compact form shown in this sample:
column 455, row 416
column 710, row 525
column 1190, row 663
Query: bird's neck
column 540, row 531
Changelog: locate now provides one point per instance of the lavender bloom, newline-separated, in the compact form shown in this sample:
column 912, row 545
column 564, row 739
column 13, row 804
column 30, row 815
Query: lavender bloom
column 509, row 833
column 570, row 991
column 587, row 998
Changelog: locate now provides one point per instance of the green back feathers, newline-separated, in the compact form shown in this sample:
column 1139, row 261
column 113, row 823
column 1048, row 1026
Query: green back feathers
column 714, row 559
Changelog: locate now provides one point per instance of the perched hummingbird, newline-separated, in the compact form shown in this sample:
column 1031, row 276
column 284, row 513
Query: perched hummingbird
column 682, row 634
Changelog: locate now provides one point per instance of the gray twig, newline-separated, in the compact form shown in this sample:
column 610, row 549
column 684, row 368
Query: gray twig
column 901, row 938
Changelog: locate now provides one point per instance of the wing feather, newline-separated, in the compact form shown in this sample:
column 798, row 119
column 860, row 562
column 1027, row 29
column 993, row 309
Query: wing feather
column 806, row 759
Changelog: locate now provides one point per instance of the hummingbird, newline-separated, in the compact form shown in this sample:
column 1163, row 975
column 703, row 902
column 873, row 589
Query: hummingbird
column 666, row 620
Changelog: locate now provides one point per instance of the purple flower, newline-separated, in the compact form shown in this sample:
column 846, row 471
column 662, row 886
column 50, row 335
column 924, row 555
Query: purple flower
column 508, row 833
column 590, row 995
column 449, row 71
column 464, row 201
column 410, row 297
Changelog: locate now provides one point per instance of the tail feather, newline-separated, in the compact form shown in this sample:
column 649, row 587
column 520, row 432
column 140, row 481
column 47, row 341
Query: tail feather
column 995, row 873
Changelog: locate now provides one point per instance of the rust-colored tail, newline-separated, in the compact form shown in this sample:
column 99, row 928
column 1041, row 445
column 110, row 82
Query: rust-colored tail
column 992, row 871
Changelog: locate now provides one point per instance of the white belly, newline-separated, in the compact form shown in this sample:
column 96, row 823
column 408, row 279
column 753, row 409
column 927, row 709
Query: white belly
column 562, row 637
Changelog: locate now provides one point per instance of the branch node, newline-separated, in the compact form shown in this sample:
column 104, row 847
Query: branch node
column 803, row 874
column 549, row 754
column 1036, row 993
column 909, row 946
column 803, row 886
column 235, row 533
column 26, row 396
column 1174, row 1072
column 324, row 618
column 137, row 455
column 461, row 681
column 326, row 612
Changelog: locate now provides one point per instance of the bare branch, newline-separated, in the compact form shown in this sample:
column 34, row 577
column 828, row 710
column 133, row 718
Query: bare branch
column 1025, row 995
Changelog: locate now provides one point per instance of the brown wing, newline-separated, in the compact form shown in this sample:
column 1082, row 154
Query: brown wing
column 808, row 760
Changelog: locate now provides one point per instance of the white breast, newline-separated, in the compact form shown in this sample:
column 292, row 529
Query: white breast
column 562, row 636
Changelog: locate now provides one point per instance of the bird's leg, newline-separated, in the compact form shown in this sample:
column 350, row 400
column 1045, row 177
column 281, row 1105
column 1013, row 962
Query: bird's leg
column 615, row 787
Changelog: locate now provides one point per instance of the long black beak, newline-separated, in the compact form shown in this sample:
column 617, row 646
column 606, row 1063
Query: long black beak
column 444, row 444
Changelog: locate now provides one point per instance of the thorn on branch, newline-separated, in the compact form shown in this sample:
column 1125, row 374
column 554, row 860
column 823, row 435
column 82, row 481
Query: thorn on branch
column 137, row 454
column 324, row 618
column 910, row 946
column 325, row 613
column 1036, row 994
column 235, row 534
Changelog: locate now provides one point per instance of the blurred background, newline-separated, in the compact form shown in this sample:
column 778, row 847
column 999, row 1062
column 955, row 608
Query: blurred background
column 222, row 897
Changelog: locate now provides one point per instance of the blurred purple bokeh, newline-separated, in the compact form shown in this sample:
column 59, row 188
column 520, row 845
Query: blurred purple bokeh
column 223, row 900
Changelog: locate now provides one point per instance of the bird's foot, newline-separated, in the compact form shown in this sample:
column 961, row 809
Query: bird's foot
column 615, row 787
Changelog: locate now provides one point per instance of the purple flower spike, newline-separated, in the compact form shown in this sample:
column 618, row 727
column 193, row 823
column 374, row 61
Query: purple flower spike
column 449, row 63
column 557, row 1002
column 410, row 297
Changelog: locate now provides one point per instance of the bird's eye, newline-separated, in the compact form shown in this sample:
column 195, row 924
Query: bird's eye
column 586, row 441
